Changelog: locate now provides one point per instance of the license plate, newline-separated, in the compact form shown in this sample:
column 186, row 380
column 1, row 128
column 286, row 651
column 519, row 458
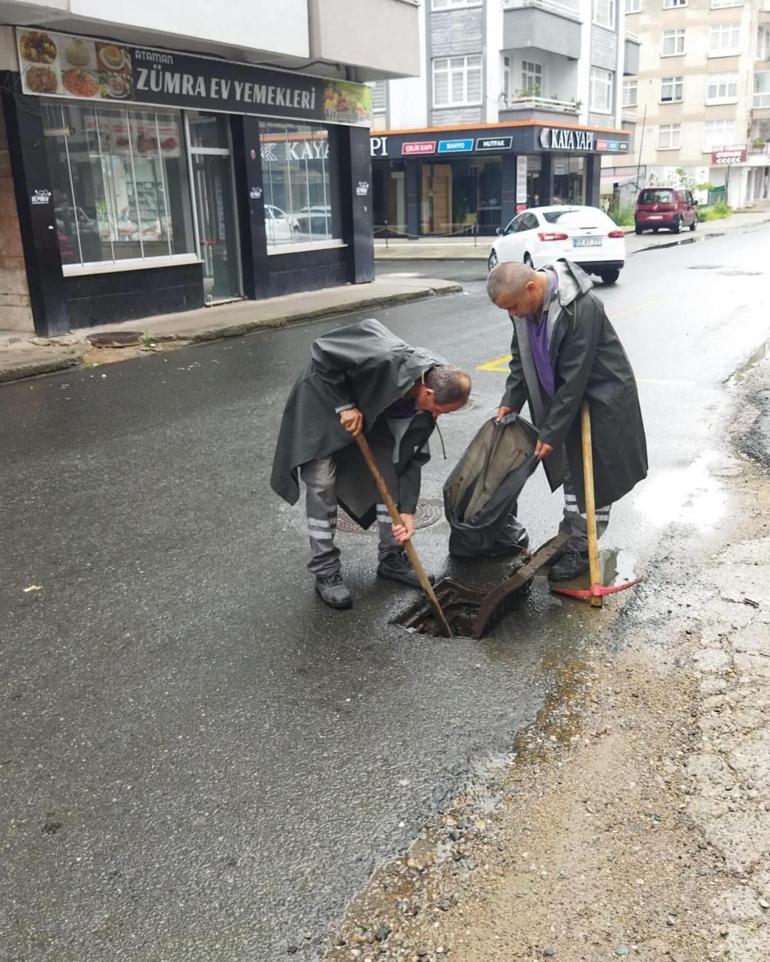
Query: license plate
column 655, row 217
column 586, row 242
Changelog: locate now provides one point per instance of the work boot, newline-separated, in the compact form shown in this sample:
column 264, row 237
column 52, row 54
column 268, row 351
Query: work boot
column 572, row 563
column 396, row 567
column 333, row 590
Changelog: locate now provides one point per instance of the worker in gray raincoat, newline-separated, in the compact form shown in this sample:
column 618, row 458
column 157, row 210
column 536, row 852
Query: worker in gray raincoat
column 362, row 378
column 564, row 349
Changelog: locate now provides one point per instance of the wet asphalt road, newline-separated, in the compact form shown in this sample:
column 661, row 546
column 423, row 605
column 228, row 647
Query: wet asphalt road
column 201, row 762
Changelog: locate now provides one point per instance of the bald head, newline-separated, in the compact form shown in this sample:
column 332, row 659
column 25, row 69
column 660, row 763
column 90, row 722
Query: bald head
column 510, row 277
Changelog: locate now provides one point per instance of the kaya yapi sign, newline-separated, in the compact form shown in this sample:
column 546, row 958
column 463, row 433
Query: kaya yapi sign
column 62, row 65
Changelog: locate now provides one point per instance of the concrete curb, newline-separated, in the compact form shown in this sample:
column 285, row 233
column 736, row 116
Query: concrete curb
column 29, row 367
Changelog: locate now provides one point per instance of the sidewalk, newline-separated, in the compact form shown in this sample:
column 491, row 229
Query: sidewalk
column 463, row 248
column 23, row 355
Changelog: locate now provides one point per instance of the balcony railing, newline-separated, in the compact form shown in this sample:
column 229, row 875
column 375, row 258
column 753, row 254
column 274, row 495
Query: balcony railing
column 547, row 104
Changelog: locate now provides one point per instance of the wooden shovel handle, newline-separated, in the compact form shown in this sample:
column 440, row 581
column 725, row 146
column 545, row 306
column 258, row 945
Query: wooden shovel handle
column 588, row 488
column 411, row 551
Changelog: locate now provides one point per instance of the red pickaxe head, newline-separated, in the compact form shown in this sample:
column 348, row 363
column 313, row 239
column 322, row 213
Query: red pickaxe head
column 595, row 591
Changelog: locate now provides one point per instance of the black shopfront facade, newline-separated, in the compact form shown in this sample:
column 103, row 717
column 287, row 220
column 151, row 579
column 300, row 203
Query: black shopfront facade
column 444, row 181
column 150, row 181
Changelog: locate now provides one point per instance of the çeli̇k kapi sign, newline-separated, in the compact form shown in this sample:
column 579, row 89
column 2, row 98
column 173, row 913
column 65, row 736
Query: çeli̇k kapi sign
column 62, row 65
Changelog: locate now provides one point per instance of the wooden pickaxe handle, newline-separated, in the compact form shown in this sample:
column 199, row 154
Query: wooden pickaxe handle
column 588, row 489
column 411, row 551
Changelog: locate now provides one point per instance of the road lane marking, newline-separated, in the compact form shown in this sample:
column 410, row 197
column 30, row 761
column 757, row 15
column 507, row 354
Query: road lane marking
column 498, row 366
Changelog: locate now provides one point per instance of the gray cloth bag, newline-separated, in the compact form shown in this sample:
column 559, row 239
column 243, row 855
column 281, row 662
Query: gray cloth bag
column 481, row 492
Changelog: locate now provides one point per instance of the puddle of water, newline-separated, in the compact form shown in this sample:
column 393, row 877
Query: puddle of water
column 752, row 361
column 689, row 496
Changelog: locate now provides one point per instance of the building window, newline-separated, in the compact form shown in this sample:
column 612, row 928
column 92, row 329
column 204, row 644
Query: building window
column 531, row 79
column 762, row 89
column 453, row 4
column 763, row 43
column 672, row 44
column 633, row 6
column 673, row 4
column 668, row 136
column 725, row 40
column 299, row 170
column 456, row 81
column 719, row 4
column 671, row 90
column 604, row 13
column 719, row 133
column 722, row 88
column 121, row 189
column 602, row 82
column 379, row 97
column 630, row 93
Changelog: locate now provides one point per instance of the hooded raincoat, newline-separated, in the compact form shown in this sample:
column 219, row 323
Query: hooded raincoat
column 589, row 362
column 366, row 366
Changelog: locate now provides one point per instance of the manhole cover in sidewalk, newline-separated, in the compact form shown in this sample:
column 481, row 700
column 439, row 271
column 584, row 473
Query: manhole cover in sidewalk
column 114, row 338
column 429, row 512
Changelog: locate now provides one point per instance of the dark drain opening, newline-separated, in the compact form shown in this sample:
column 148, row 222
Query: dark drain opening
column 114, row 338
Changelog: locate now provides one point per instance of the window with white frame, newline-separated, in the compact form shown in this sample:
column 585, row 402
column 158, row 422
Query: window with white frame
column 718, row 133
column 633, row 6
column 672, row 44
column 604, row 13
column 453, row 4
column 722, row 88
column 725, row 40
column 507, row 91
column 630, row 93
column 719, row 4
column 673, row 4
column 762, row 89
column 456, row 81
column 531, row 79
column 669, row 136
column 602, row 83
column 763, row 43
column 671, row 90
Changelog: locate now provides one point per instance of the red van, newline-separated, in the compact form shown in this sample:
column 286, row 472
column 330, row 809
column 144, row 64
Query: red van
column 658, row 207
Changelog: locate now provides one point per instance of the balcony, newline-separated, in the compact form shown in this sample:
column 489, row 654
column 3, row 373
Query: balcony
column 550, row 26
column 531, row 108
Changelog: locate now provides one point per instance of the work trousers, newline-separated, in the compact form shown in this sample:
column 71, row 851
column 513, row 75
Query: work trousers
column 574, row 522
column 320, row 478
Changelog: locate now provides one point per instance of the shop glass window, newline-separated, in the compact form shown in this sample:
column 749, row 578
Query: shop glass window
column 669, row 136
column 456, row 81
column 301, row 195
column 633, row 6
column 602, row 82
column 762, row 89
column 725, row 40
column 719, row 133
column 120, row 184
column 722, row 88
column 673, row 43
column 630, row 93
column 604, row 13
column 671, row 90
column 531, row 79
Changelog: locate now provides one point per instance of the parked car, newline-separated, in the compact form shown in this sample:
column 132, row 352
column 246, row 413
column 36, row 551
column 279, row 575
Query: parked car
column 584, row 235
column 280, row 226
column 658, row 207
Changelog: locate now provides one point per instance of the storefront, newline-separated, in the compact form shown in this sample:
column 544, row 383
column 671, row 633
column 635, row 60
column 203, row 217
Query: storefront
column 455, row 181
column 150, row 181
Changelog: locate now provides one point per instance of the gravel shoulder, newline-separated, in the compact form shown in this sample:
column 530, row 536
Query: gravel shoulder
column 633, row 819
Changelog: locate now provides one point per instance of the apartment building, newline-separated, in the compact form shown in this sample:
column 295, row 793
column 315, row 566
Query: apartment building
column 516, row 104
column 160, row 155
column 701, row 99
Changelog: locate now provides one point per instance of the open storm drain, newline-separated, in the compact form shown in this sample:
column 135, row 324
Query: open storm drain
column 114, row 338
column 428, row 513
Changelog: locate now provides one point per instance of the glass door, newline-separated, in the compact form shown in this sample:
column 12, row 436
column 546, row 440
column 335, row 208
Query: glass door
column 212, row 169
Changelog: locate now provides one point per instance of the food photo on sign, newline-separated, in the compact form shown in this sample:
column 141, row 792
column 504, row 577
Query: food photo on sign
column 67, row 66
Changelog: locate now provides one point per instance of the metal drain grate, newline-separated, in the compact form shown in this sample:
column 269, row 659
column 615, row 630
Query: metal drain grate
column 429, row 512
